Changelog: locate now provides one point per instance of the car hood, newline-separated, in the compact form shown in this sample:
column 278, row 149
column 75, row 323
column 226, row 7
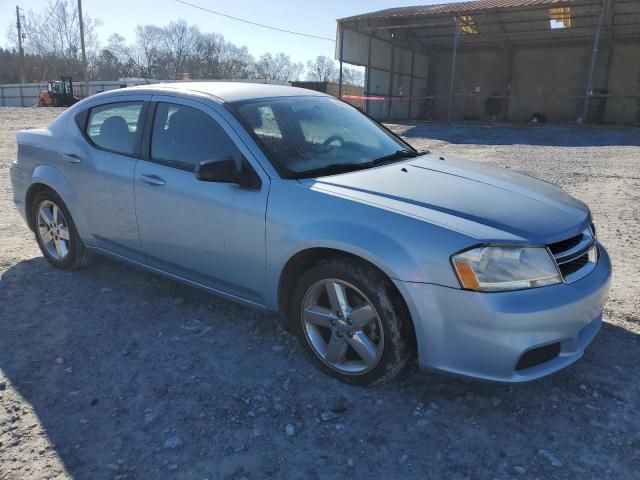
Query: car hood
column 447, row 191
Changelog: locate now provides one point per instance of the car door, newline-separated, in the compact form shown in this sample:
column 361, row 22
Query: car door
column 99, row 157
column 209, row 233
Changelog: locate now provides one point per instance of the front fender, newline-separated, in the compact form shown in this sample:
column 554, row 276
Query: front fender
column 380, row 250
column 405, row 248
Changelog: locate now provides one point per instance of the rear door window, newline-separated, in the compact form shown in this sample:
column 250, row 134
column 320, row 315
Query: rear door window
column 114, row 126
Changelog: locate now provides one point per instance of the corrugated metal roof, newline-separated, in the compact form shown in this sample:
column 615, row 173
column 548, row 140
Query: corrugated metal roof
column 456, row 7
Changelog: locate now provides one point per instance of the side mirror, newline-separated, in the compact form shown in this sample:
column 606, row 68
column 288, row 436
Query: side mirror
column 226, row 171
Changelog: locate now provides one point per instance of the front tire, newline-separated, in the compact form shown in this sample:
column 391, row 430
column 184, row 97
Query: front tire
column 352, row 322
column 56, row 233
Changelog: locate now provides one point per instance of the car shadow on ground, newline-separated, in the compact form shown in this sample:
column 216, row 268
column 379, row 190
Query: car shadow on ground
column 524, row 134
column 134, row 376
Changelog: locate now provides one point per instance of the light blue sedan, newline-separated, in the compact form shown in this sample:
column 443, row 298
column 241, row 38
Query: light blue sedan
column 292, row 201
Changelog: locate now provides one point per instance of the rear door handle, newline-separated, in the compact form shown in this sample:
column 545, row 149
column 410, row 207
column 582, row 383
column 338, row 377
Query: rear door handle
column 72, row 158
column 153, row 180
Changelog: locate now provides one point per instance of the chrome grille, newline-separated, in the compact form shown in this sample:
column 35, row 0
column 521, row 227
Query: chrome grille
column 565, row 245
column 576, row 257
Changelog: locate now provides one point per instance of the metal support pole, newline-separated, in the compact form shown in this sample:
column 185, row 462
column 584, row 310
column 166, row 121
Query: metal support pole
column 367, row 104
column 393, row 60
column 341, row 55
column 413, row 61
column 456, row 36
column 20, row 50
column 509, row 83
column 84, row 53
column 592, row 67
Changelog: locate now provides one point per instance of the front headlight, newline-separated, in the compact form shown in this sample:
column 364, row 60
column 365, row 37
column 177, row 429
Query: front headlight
column 493, row 269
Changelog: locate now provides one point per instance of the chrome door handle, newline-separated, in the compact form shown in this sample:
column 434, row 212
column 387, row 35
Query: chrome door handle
column 153, row 180
column 72, row 158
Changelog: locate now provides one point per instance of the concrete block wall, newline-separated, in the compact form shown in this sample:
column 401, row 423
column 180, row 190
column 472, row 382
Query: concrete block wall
column 479, row 74
column 623, row 106
column 549, row 80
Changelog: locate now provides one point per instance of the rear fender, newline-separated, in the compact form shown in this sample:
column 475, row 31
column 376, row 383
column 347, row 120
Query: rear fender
column 53, row 178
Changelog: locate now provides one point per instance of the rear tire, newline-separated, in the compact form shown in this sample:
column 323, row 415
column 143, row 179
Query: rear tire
column 56, row 233
column 363, row 339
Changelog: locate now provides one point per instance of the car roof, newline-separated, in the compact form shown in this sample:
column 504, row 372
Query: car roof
column 228, row 91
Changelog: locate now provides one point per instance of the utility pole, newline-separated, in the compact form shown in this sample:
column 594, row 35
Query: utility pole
column 20, row 51
column 84, row 53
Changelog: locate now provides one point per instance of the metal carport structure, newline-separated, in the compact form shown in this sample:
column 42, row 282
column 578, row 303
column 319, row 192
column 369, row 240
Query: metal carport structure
column 578, row 59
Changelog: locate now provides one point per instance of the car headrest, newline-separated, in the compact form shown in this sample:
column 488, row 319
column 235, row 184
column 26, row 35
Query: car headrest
column 114, row 131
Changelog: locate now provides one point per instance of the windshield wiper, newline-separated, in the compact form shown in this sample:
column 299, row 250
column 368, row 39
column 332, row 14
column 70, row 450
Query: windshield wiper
column 352, row 167
column 332, row 169
column 397, row 155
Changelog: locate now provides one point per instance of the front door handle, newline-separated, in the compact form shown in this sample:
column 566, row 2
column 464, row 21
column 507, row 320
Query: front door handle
column 153, row 180
column 72, row 158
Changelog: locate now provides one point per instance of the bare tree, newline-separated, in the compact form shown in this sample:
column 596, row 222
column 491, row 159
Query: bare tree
column 236, row 62
column 55, row 33
column 116, row 61
column 147, row 51
column 214, row 57
column 353, row 76
column 178, row 45
column 326, row 69
column 322, row 69
column 278, row 68
column 157, row 52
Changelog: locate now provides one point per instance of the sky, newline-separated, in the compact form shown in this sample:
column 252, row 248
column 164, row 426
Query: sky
column 316, row 17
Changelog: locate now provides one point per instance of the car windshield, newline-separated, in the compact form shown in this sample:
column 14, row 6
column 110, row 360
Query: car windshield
column 316, row 136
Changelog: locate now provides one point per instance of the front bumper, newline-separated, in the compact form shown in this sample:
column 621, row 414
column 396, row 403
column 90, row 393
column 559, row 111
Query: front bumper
column 484, row 335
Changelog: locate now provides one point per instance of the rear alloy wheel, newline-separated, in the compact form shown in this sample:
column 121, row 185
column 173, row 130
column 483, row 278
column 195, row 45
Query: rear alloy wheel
column 53, row 230
column 351, row 321
column 56, row 233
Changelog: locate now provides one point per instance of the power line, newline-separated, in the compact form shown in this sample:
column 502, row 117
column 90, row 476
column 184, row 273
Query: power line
column 52, row 11
column 46, row 20
column 254, row 23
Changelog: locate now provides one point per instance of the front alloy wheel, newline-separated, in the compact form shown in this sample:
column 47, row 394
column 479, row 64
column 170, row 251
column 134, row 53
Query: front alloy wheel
column 352, row 321
column 342, row 327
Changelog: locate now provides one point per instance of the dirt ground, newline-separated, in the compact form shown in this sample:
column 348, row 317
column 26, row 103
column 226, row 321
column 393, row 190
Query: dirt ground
column 115, row 373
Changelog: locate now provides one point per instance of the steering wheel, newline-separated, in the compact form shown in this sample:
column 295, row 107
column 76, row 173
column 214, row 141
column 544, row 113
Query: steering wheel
column 331, row 139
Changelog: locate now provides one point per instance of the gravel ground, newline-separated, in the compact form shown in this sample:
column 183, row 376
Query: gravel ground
column 115, row 373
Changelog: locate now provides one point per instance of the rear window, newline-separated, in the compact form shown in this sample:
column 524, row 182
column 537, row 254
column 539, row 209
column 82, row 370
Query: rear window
column 114, row 126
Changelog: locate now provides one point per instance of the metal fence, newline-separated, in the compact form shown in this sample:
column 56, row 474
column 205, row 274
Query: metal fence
column 26, row 94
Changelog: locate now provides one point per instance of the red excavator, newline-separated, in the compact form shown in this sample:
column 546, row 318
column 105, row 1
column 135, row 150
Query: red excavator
column 59, row 93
